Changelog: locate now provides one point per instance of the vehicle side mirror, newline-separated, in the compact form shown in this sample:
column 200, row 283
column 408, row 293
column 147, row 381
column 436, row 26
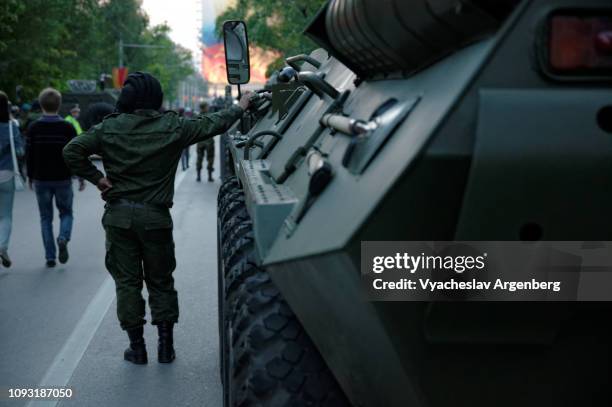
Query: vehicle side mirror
column 236, row 52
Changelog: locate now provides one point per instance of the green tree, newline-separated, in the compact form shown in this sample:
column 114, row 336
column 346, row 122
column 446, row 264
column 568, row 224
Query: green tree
column 170, row 63
column 47, row 42
column 9, row 12
column 275, row 24
column 38, row 54
column 122, row 20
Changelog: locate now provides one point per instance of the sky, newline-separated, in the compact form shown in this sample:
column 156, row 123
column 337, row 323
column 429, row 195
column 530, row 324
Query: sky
column 184, row 18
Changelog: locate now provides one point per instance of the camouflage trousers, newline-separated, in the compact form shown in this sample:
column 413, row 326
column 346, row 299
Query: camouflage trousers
column 208, row 148
column 140, row 248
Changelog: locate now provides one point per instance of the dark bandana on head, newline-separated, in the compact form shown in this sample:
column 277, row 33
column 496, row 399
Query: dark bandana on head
column 141, row 90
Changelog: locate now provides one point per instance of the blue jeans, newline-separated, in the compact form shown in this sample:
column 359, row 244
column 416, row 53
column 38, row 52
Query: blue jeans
column 7, row 196
column 185, row 159
column 62, row 191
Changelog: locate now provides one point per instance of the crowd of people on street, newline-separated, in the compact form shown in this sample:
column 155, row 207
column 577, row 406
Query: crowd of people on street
column 32, row 138
column 35, row 142
column 141, row 146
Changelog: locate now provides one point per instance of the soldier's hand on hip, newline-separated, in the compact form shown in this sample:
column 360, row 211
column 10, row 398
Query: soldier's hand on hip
column 104, row 185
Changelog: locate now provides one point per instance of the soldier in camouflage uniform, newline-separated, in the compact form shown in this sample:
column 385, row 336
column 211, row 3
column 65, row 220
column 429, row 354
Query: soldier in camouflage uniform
column 140, row 149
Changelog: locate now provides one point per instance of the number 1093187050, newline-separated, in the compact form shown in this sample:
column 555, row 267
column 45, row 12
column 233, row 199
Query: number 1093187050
column 48, row 393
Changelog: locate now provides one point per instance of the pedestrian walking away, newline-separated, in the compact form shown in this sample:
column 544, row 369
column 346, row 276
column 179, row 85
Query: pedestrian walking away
column 140, row 149
column 185, row 155
column 205, row 148
column 73, row 118
column 9, row 151
column 24, row 118
column 49, row 176
column 33, row 114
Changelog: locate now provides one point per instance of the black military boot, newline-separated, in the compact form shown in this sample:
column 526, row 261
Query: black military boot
column 210, row 178
column 137, row 352
column 199, row 176
column 165, row 350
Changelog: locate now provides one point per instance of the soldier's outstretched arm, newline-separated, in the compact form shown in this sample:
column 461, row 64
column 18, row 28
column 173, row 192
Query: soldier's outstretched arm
column 208, row 125
column 77, row 152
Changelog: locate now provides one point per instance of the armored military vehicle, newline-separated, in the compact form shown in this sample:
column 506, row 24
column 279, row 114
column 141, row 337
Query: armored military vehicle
column 94, row 103
column 416, row 120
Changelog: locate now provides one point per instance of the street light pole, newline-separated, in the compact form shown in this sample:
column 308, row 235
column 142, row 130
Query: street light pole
column 120, row 52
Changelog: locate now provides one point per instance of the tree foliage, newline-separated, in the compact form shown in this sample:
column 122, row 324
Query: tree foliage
column 275, row 24
column 47, row 42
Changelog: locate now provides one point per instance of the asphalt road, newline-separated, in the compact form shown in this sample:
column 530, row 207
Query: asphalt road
column 58, row 326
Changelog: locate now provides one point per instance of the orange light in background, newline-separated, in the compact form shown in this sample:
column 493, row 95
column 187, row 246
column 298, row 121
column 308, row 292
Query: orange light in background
column 260, row 59
column 213, row 64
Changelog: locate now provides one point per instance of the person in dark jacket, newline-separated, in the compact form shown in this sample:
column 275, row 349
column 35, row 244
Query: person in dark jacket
column 141, row 149
column 48, row 174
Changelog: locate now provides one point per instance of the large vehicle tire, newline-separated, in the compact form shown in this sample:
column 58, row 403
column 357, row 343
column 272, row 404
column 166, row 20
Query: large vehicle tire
column 267, row 358
column 233, row 225
column 272, row 360
column 229, row 187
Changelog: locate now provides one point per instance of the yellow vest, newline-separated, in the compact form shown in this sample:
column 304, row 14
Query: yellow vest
column 75, row 123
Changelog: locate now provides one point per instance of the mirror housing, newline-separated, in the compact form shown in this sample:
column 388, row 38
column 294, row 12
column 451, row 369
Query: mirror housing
column 236, row 44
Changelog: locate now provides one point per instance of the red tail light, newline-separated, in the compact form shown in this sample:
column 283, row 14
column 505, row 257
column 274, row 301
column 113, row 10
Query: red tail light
column 580, row 45
column 603, row 42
